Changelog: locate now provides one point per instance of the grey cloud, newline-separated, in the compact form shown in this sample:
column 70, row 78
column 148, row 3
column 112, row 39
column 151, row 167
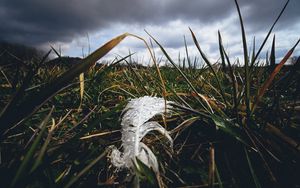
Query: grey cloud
column 41, row 21
column 261, row 14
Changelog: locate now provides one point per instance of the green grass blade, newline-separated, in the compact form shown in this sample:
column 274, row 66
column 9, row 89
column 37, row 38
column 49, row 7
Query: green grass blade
column 254, row 176
column 41, row 155
column 138, row 77
column 21, row 91
column 230, row 129
column 209, row 65
column 246, row 61
column 221, row 51
column 187, row 53
column 144, row 171
column 219, row 178
column 211, row 166
column 266, row 38
column 234, row 85
column 267, row 59
column 86, row 169
column 253, row 50
column 272, row 55
column 29, row 155
column 179, row 70
column 36, row 100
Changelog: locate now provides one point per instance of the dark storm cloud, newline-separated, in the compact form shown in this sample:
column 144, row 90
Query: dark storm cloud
column 41, row 21
column 261, row 14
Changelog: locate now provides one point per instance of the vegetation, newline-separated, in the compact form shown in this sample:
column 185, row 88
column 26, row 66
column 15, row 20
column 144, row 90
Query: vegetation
column 232, row 126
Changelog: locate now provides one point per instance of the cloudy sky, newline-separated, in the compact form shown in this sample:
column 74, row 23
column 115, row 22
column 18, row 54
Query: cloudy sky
column 74, row 25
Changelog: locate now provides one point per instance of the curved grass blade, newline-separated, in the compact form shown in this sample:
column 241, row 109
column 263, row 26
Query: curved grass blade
column 182, row 74
column 137, row 76
column 33, row 102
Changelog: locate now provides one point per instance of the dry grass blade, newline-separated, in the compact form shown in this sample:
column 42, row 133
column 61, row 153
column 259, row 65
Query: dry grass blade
column 42, row 153
column 211, row 169
column 182, row 74
column 33, row 102
column 164, row 92
column 268, row 82
column 6, row 78
column 138, row 77
column 81, row 84
column 277, row 132
column 99, row 134
column 209, row 65
column 185, row 124
column 20, row 92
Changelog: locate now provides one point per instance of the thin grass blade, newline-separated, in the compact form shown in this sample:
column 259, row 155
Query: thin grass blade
column 266, row 38
column 221, row 51
column 179, row 70
column 254, row 176
column 33, row 102
column 209, row 65
column 246, row 62
column 211, row 168
column 268, row 82
column 86, row 169
column 230, row 129
column 29, row 155
column 272, row 55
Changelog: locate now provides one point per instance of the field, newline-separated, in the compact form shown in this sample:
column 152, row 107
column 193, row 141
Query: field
column 233, row 124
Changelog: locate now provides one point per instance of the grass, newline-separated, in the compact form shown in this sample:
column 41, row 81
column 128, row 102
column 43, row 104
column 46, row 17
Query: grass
column 234, row 126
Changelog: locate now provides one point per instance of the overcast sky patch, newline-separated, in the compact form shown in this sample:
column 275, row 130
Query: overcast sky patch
column 76, row 26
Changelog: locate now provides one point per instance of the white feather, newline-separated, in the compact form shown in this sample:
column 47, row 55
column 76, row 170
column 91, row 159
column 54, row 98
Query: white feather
column 135, row 126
